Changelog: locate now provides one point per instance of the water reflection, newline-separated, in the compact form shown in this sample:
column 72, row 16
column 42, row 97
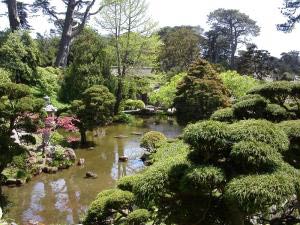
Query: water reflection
column 63, row 198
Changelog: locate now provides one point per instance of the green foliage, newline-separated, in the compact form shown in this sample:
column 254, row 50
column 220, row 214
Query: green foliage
column 19, row 55
column 101, row 208
column 57, row 138
column 259, row 130
column 237, row 84
column 131, row 104
column 95, row 108
column 202, row 179
column 166, row 94
column 48, row 46
column 123, row 118
column 207, row 138
column 152, row 140
column 181, row 46
column 5, row 76
column 266, row 190
column 138, row 217
column 252, row 107
column 276, row 112
column 223, row 115
column 254, row 156
column 200, row 93
column 90, row 65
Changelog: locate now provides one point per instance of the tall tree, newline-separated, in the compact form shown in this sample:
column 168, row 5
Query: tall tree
column 181, row 46
column 290, row 10
column 17, row 14
column 72, row 22
column 235, row 26
column 255, row 62
column 127, row 21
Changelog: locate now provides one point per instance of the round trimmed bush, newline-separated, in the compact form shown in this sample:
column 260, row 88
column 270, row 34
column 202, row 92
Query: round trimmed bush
column 138, row 217
column 275, row 112
column 202, row 179
column 127, row 183
column 257, row 193
column 254, row 156
column 223, row 115
column 261, row 131
column 152, row 140
column 207, row 138
column 291, row 128
column 102, row 208
column 134, row 104
column 253, row 107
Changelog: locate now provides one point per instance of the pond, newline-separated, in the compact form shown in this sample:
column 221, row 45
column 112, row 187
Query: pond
column 63, row 198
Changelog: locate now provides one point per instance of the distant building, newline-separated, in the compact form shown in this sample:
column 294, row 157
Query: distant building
column 137, row 71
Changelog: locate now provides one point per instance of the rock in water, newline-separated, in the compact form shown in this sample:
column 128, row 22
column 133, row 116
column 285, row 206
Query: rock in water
column 91, row 175
column 121, row 136
column 123, row 158
column 81, row 162
column 48, row 169
column 70, row 154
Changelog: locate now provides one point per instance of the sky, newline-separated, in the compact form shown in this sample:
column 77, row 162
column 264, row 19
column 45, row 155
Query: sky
column 194, row 12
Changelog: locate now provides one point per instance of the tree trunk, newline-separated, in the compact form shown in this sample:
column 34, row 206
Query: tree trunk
column 83, row 139
column 14, row 21
column 119, row 96
column 66, row 38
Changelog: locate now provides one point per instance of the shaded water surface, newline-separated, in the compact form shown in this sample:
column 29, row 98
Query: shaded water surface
column 63, row 198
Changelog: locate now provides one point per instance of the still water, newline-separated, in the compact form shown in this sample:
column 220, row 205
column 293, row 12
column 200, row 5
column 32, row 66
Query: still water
column 63, row 198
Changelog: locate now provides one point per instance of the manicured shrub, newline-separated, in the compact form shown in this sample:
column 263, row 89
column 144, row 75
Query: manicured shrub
column 259, row 130
column 131, row 104
column 252, row 107
column 277, row 92
column 105, row 204
column 275, row 113
column 152, row 140
column 253, row 156
column 200, row 93
column 208, row 138
column 265, row 191
column 57, row 138
column 202, row 179
column 223, row 115
column 127, row 183
column 5, row 76
column 138, row 217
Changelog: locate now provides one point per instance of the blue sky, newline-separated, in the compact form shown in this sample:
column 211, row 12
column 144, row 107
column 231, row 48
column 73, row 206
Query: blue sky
column 194, row 12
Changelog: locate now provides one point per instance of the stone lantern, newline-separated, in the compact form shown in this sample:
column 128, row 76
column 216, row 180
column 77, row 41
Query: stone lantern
column 49, row 108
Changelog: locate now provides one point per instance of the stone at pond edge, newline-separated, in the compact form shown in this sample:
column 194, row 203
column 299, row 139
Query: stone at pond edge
column 121, row 136
column 136, row 133
column 14, row 182
column 70, row 154
column 123, row 159
column 91, row 175
column 81, row 162
column 48, row 169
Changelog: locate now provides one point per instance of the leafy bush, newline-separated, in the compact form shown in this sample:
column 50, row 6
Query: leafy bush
column 57, row 138
column 138, row 217
column 123, row 118
column 250, row 108
column 152, row 140
column 202, row 179
column 276, row 112
column 254, row 156
column 266, row 190
column 134, row 104
column 223, row 115
column 166, row 94
column 237, row 84
column 259, row 130
column 5, row 76
column 100, row 209
column 200, row 93
column 207, row 138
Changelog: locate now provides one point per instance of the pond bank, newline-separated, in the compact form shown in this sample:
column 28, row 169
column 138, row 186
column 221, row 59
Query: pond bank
column 63, row 198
